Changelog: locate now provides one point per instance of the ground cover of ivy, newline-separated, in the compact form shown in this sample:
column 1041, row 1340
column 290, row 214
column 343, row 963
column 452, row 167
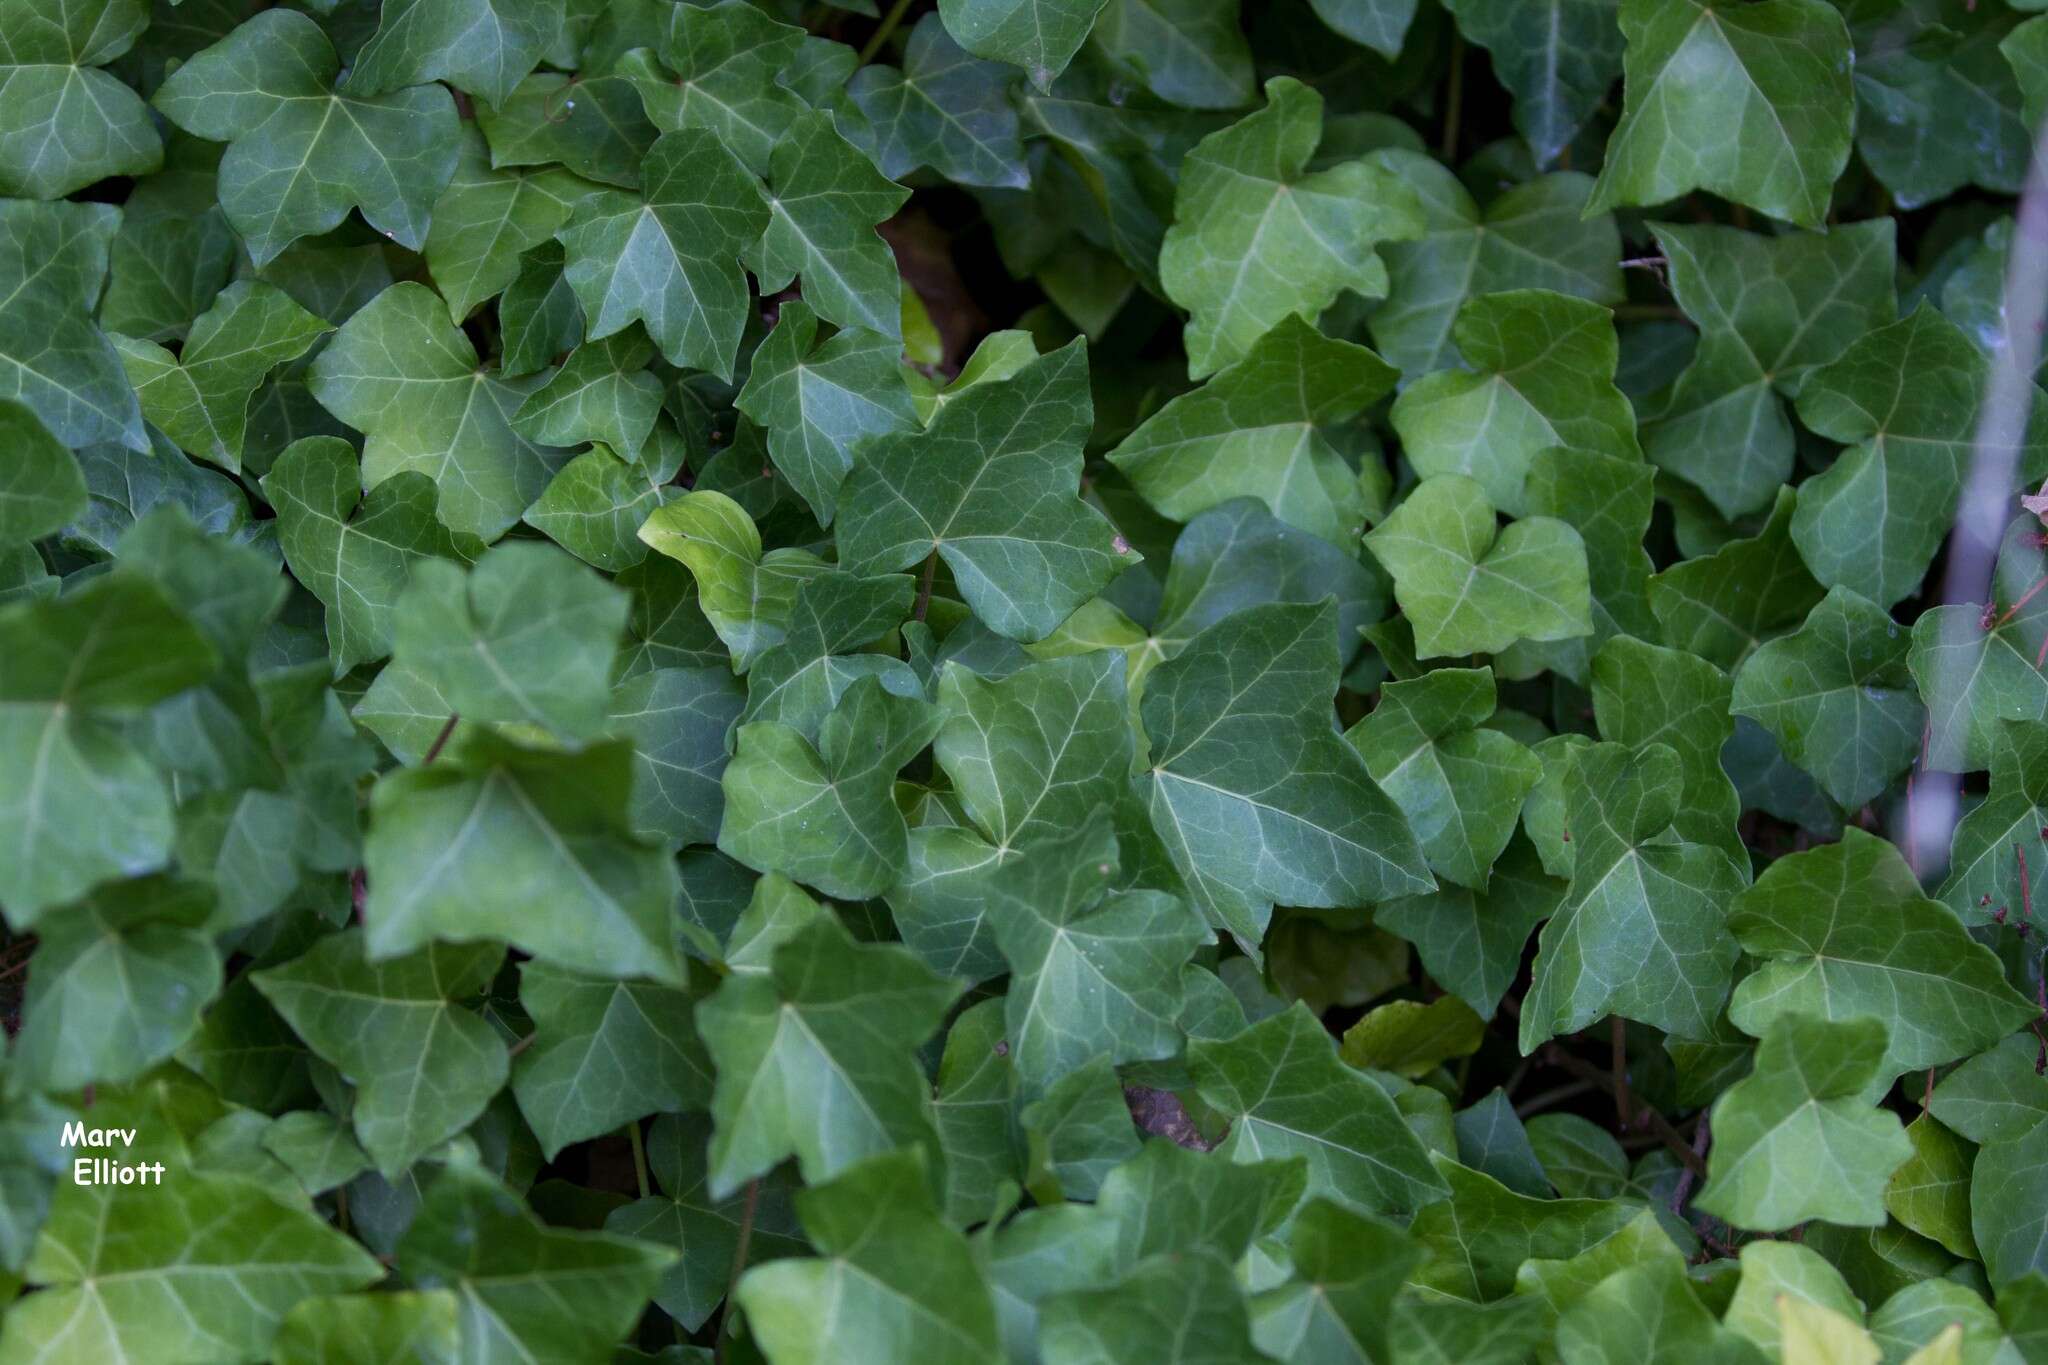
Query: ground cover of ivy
column 1111, row 682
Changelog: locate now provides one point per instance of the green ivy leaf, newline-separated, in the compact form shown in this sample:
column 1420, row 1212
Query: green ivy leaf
column 1469, row 587
column 726, row 58
column 42, row 489
column 1190, row 1305
column 1802, row 1108
column 1843, row 932
column 53, row 262
column 1256, row 797
column 1989, row 871
column 301, row 153
column 1189, row 53
column 943, row 109
column 813, row 1056
column 423, row 1063
column 1262, row 427
column 1979, row 667
column 400, row 373
column 1837, row 696
column 1559, row 58
column 1757, row 74
column 1040, row 36
column 1641, row 932
column 824, row 199
column 1724, row 605
column 350, row 1329
column 1257, row 235
column 482, row 47
column 487, row 218
column 69, row 123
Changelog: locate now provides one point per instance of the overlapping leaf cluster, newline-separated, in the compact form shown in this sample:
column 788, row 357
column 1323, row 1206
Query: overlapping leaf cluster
column 1100, row 681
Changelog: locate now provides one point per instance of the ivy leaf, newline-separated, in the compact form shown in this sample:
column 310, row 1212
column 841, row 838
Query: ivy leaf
column 1093, row 971
column 745, row 594
column 991, row 487
column 301, row 153
column 1759, row 73
column 1980, row 666
column 668, row 256
column 418, row 1326
column 464, row 850
column 69, row 123
column 1031, row 757
column 1913, row 60
column 1542, row 378
column 2007, row 1182
column 42, row 489
column 1040, row 36
column 814, row 1056
column 424, row 1064
column 1460, row 786
column 1931, row 1192
column 1189, row 53
column 1469, row 588
column 200, row 397
column 1474, row 1242
column 1257, row 236
column 206, row 1268
column 605, row 1053
column 603, row 392
column 596, row 504
column 487, row 218
column 726, row 58
column 824, row 199
column 1802, row 1109
column 353, row 551
column 53, row 262
column 525, row 1290
column 823, row 814
column 1347, row 1268
column 678, row 720
column 95, row 808
column 1188, row 1304
column 1770, row 310
column 482, row 47
column 1989, row 871
column 890, row 1275
column 1641, row 932
column 1906, row 396
column 1608, row 501
column 1256, row 797
column 1838, row 698
column 824, row 401
column 1471, row 941
column 597, row 128
column 943, row 109
column 1644, row 694
column 1722, row 606
column 1286, row 1094
column 1843, row 932
column 1262, row 427
column 1559, row 58
column 525, row 636
column 1647, row 1313
column 1530, row 236
column 120, row 978
column 400, row 373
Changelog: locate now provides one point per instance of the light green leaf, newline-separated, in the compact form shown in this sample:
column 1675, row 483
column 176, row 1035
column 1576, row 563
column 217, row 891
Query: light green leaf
column 1641, row 932
column 91, row 806
column 300, row 153
column 315, row 1147
column 200, row 397
column 746, row 595
column 400, row 373
column 991, row 487
column 1542, row 375
column 1905, row 398
column 1257, row 236
column 525, row 846
column 201, row 1268
column 525, row 1291
column 1774, row 80
column 604, row 1053
column 1770, row 310
column 1470, row 588
column 1173, row 1309
column 1838, row 698
column 401, row 1328
column 1979, row 667
column 1080, row 1131
column 824, row 402
column 1647, row 1315
column 892, row 1281
column 824, row 200
column 1843, row 932
column 1646, row 694
column 727, row 58
column 1796, row 1139
column 423, row 1063
column 487, row 218
column 943, row 109
column 602, row 393
column 1459, row 785
column 815, row 1056
column 1931, row 1192
column 120, row 978
column 527, row 636
column 1262, row 428
column 1286, row 1093
column 42, row 488
column 53, row 261
column 596, row 504
column 1256, row 797
column 482, row 47
column 669, row 256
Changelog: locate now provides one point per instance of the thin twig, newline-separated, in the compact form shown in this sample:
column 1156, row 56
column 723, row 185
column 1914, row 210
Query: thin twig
column 440, row 740
column 1658, row 1124
column 522, row 1044
column 1686, row 1176
column 1454, row 97
column 924, row 588
column 739, row 1264
column 1557, row 1095
column 881, row 34
column 1617, row 1033
column 639, row 1145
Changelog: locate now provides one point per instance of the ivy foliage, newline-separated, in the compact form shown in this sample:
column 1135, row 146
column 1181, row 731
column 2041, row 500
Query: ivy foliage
column 1113, row 682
